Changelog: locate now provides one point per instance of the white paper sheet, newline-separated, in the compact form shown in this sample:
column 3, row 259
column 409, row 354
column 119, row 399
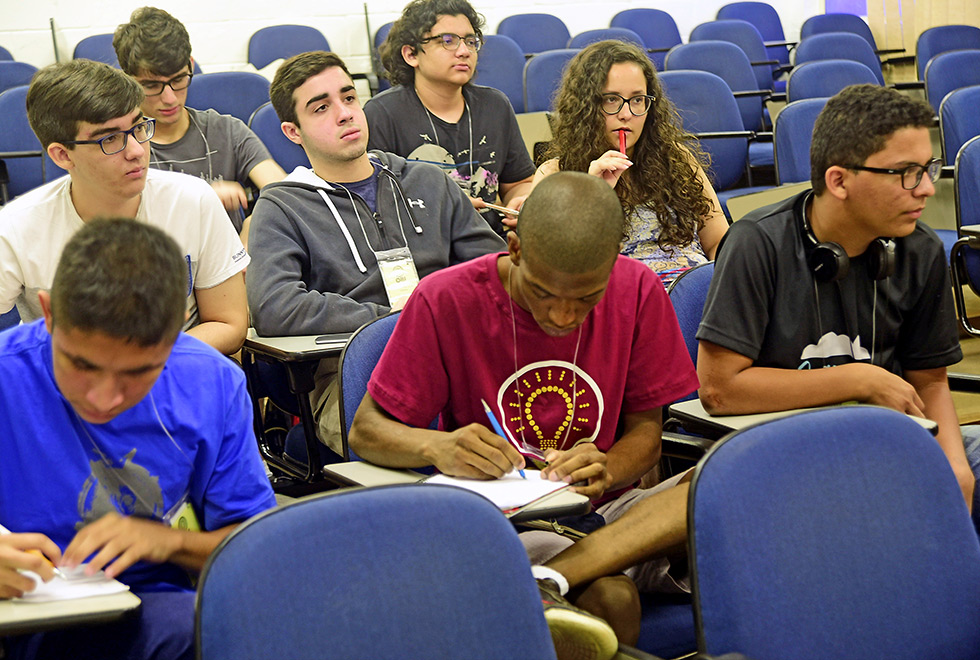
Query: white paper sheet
column 77, row 585
column 509, row 492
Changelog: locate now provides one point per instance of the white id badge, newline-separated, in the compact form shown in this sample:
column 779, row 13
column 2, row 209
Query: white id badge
column 399, row 275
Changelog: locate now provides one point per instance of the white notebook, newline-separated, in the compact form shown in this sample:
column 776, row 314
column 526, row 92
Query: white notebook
column 77, row 585
column 509, row 492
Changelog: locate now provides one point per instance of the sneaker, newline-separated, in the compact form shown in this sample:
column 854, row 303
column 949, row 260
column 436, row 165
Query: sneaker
column 577, row 635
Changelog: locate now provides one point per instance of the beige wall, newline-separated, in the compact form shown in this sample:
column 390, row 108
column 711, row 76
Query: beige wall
column 220, row 29
column 897, row 23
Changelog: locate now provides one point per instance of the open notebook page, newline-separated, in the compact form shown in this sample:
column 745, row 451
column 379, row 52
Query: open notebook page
column 511, row 491
column 77, row 585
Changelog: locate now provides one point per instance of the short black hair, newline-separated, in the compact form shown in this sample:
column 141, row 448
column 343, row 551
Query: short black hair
column 571, row 221
column 856, row 123
column 122, row 278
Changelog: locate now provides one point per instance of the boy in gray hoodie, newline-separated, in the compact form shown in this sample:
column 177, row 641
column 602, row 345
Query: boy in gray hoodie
column 339, row 244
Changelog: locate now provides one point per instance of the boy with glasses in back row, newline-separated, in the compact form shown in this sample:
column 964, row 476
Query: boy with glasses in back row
column 436, row 114
column 155, row 49
column 87, row 117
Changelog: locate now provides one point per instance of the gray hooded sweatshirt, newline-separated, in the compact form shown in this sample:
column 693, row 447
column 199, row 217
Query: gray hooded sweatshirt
column 313, row 268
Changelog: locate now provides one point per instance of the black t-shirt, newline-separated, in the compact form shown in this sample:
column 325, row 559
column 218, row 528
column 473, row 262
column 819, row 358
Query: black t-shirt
column 479, row 152
column 765, row 303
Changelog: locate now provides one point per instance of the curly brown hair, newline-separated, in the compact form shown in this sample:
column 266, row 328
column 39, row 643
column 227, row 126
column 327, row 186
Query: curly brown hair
column 417, row 18
column 662, row 177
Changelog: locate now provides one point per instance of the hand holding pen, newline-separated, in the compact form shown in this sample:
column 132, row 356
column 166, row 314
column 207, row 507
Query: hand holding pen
column 25, row 552
column 497, row 428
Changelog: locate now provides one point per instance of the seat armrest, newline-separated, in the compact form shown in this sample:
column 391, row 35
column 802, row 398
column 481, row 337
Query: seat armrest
column 960, row 382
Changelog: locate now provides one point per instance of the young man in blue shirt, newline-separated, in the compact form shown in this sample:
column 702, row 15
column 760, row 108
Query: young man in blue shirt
column 138, row 457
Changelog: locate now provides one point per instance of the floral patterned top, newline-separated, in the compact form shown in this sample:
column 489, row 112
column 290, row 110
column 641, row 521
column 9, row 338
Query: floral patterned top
column 669, row 262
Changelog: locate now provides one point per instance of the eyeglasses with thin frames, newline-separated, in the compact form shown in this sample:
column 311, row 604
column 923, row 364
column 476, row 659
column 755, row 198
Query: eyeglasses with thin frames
column 451, row 41
column 639, row 105
column 113, row 143
column 911, row 175
column 177, row 83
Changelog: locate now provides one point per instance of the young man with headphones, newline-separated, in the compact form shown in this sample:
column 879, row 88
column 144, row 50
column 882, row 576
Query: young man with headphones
column 841, row 276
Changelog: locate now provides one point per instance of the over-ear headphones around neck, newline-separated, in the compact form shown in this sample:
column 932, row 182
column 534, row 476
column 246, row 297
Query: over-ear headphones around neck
column 829, row 262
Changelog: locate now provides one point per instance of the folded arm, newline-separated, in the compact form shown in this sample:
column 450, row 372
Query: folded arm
column 731, row 385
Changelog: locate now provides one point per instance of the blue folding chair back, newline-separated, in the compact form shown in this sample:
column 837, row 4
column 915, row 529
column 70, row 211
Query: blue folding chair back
column 265, row 123
column 535, row 33
column 949, row 71
column 9, row 319
column 839, row 46
column 791, row 138
column 583, row 39
column 542, row 78
column 687, row 294
column 357, row 363
column 837, row 22
column 707, row 109
column 838, row 533
column 744, row 35
column 392, row 572
column 943, row 38
column 824, row 78
column 283, row 41
column 96, row 47
column 706, row 105
column 959, row 120
column 15, row 74
column 731, row 64
column 501, row 66
column 235, row 93
column 27, row 172
column 765, row 19
column 656, row 27
column 965, row 260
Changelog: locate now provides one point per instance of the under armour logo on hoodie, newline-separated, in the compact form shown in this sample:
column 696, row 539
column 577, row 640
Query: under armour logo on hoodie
column 416, row 202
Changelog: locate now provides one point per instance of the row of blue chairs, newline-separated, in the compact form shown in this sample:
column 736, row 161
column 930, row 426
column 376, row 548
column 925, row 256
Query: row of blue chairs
column 264, row 46
column 668, row 625
column 760, row 549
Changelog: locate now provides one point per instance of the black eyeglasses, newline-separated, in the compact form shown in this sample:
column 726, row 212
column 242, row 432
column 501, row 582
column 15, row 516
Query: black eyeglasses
column 911, row 175
column 113, row 143
column 177, row 83
column 639, row 105
column 450, row 41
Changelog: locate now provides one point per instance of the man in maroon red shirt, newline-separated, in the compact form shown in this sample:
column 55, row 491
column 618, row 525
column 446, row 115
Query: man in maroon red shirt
column 576, row 349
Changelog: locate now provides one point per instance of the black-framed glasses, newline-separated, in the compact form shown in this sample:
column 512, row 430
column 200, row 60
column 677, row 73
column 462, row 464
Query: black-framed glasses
column 911, row 175
column 113, row 143
column 177, row 83
column 639, row 105
column 450, row 41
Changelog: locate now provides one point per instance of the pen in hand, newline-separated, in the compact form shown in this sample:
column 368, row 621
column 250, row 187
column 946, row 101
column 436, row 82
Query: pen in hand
column 497, row 428
column 57, row 571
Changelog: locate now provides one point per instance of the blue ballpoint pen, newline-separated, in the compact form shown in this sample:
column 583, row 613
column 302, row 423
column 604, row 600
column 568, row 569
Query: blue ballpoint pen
column 497, row 428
